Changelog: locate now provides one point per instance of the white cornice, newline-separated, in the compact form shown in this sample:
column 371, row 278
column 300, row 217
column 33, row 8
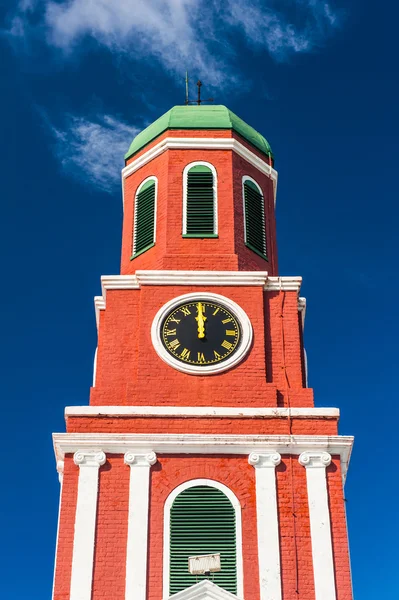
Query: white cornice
column 202, row 278
column 201, row 412
column 247, row 278
column 283, row 284
column 174, row 143
column 120, row 443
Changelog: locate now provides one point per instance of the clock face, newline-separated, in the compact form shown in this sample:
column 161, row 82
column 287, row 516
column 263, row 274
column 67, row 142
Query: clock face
column 200, row 333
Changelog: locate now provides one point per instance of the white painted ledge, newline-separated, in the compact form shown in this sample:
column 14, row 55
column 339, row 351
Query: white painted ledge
column 201, row 412
column 267, row 524
column 320, row 527
column 119, row 443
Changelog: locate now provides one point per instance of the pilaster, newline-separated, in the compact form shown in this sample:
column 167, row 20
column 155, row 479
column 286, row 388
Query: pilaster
column 85, row 523
column 267, row 524
column 137, row 537
column 320, row 527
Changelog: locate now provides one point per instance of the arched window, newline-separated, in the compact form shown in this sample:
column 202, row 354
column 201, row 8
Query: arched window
column 144, row 216
column 254, row 217
column 200, row 200
column 202, row 517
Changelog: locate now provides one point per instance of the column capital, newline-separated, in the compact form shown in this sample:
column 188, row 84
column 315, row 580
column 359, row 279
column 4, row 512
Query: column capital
column 140, row 460
column 82, row 458
column 264, row 460
column 315, row 460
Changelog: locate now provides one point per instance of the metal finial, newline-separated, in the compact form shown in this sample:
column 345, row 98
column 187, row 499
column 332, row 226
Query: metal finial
column 199, row 84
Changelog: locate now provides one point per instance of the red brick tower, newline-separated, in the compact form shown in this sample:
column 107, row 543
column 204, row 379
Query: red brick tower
column 201, row 437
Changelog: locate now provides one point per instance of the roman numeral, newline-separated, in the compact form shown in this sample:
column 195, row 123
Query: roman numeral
column 217, row 356
column 185, row 311
column 227, row 345
column 170, row 332
column 230, row 332
column 229, row 320
column 175, row 344
column 185, row 354
column 173, row 320
column 216, row 311
column 201, row 357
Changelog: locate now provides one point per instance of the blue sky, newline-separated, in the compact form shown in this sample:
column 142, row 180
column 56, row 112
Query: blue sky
column 78, row 79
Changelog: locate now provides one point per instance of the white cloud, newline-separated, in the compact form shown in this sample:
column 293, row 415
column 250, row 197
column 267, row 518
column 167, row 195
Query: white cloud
column 92, row 151
column 195, row 34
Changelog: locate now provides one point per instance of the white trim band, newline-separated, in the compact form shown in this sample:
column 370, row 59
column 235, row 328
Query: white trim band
column 175, row 143
column 201, row 412
column 119, row 443
column 267, row 524
column 137, row 536
column 189, row 278
column 320, row 528
column 89, row 463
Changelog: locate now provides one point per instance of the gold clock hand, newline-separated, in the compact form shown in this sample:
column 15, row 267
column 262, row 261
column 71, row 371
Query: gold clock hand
column 200, row 318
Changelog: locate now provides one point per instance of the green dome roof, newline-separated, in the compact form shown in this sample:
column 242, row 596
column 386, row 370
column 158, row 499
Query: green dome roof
column 199, row 117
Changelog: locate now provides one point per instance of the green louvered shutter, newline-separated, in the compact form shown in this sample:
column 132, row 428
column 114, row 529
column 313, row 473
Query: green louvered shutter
column 202, row 521
column 255, row 226
column 200, row 209
column 144, row 218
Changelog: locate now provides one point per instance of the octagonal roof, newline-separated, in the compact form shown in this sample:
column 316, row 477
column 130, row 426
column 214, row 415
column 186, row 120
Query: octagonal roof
column 199, row 117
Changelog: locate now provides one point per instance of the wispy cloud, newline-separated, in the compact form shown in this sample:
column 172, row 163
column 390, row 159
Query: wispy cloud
column 183, row 32
column 92, row 151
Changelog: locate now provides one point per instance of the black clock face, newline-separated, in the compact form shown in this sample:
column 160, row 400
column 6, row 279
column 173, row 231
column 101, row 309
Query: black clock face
column 201, row 333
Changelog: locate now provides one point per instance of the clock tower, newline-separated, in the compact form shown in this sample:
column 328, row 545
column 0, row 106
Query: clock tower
column 201, row 468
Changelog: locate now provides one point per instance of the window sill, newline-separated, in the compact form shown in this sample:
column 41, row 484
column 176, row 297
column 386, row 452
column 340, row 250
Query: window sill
column 200, row 235
column 142, row 251
column 257, row 251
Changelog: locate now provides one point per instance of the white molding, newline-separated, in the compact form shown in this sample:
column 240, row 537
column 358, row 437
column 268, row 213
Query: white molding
column 89, row 463
column 95, row 367
column 161, row 443
column 166, row 533
column 320, row 527
column 118, row 282
column 137, row 536
column 174, row 143
column 218, row 278
column 241, row 351
column 204, row 590
column 201, row 412
column 302, row 310
column 150, row 178
column 189, row 278
column 215, row 193
column 244, row 212
column 267, row 524
column 283, row 284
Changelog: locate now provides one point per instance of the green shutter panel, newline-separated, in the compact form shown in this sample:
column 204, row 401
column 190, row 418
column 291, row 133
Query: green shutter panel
column 200, row 215
column 144, row 218
column 202, row 521
column 255, row 226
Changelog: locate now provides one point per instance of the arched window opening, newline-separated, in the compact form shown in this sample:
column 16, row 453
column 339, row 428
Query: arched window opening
column 254, row 217
column 199, row 210
column 144, row 217
column 202, row 521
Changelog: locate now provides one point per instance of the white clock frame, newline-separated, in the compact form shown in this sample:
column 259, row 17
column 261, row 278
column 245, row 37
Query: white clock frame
column 239, row 354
